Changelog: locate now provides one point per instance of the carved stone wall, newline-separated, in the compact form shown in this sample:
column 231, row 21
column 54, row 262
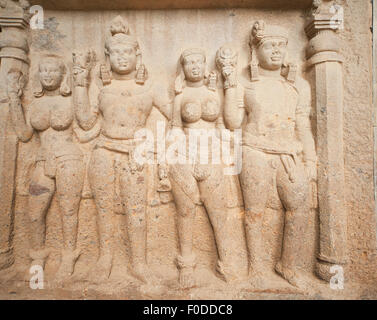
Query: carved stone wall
column 222, row 262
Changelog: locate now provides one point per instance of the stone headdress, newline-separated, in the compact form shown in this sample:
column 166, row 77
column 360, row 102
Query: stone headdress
column 260, row 33
column 120, row 33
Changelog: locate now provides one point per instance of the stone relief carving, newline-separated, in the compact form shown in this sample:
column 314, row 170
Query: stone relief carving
column 59, row 165
column 117, row 181
column 277, row 132
column 279, row 160
column 14, row 49
column 197, row 106
column 324, row 59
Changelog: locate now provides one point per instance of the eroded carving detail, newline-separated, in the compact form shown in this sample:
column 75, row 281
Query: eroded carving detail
column 197, row 106
column 324, row 60
column 268, row 101
column 59, row 166
column 14, row 49
column 117, row 181
column 276, row 134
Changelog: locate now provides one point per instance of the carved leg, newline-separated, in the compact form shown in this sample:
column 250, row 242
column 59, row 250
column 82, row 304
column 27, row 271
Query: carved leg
column 134, row 195
column 295, row 198
column 214, row 195
column 186, row 209
column 101, row 177
column 255, row 179
column 69, row 184
column 41, row 191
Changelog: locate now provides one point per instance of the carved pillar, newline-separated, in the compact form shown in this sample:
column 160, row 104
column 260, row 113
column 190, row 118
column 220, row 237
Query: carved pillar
column 13, row 54
column 325, row 64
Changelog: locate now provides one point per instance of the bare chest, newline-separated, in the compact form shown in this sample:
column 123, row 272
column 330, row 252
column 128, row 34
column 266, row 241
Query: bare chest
column 52, row 112
column 200, row 103
column 271, row 98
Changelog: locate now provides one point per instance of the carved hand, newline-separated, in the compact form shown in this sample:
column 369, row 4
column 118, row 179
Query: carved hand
column 228, row 71
column 80, row 76
column 15, row 85
column 82, row 65
column 229, row 74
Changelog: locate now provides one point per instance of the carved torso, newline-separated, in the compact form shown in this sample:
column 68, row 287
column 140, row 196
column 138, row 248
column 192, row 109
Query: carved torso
column 52, row 118
column 125, row 107
column 199, row 107
column 271, row 108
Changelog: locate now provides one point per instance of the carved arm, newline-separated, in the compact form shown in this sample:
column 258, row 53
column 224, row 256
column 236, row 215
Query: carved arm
column 176, row 121
column 234, row 110
column 21, row 123
column 304, row 130
column 86, row 114
column 226, row 62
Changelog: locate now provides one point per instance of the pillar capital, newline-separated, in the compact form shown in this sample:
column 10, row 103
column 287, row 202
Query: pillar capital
column 14, row 14
column 322, row 26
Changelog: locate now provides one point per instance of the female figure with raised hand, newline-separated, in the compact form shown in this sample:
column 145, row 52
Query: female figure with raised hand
column 197, row 111
column 59, row 164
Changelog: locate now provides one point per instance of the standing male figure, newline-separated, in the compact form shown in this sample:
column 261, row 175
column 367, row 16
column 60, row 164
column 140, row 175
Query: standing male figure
column 278, row 146
column 118, row 182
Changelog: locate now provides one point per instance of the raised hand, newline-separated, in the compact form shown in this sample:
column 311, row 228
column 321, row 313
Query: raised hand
column 83, row 63
column 15, row 84
column 226, row 61
column 228, row 71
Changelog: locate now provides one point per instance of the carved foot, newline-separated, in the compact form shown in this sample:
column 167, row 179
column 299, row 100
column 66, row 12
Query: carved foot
column 225, row 272
column 258, row 280
column 186, row 278
column 39, row 258
column 102, row 270
column 66, row 268
column 323, row 270
column 257, row 276
column 293, row 277
column 141, row 271
column 186, row 267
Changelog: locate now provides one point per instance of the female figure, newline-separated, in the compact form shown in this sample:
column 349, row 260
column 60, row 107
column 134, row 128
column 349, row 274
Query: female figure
column 59, row 166
column 197, row 107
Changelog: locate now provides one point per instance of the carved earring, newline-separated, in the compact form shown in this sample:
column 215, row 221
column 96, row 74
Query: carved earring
column 65, row 88
column 180, row 80
column 206, row 73
column 292, row 72
column 38, row 90
column 254, row 65
column 289, row 70
column 105, row 71
column 141, row 72
column 286, row 60
column 212, row 80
